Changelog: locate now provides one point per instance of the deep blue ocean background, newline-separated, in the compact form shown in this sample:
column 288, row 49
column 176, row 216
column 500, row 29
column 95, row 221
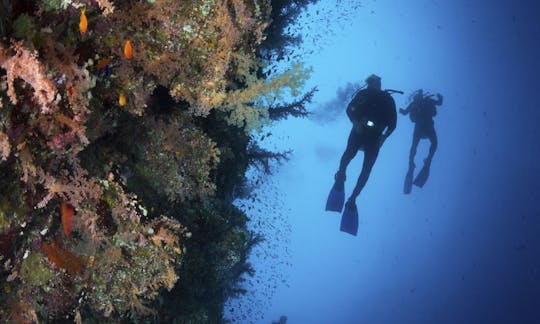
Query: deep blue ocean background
column 466, row 247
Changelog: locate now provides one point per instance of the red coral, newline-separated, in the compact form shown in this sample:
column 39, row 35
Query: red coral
column 66, row 260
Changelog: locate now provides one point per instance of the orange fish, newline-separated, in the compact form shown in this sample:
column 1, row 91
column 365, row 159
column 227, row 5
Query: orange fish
column 122, row 99
column 83, row 22
column 67, row 211
column 70, row 91
column 128, row 51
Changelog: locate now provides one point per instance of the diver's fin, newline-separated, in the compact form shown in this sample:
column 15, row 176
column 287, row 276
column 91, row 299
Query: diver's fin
column 422, row 176
column 349, row 219
column 407, row 188
column 336, row 197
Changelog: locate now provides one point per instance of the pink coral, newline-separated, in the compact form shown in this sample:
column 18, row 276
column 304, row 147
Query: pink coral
column 5, row 147
column 106, row 5
column 77, row 130
column 72, row 186
column 25, row 65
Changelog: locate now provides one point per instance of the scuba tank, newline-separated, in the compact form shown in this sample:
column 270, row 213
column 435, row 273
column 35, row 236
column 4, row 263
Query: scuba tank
column 389, row 91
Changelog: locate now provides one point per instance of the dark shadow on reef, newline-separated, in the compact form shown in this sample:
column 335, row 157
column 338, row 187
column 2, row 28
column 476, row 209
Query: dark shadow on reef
column 116, row 209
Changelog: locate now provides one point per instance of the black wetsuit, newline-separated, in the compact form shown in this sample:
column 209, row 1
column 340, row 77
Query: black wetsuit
column 371, row 112
column 421, row 112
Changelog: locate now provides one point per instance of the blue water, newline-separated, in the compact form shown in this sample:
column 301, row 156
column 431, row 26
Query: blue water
column 465, row 248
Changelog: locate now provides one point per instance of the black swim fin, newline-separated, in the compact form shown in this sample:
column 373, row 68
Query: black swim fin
column 336, row 197
column 422, row 176
column 407, row 187
column 349, row 219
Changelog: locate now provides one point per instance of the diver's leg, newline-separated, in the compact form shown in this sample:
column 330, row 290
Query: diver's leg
column 348, row 155
column 423, row 175
column 433, row 145
column 370, row 156
column 416, row 140
column 407, row 185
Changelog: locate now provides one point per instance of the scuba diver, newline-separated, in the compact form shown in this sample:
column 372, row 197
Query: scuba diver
column 421, row 111
column 371, row 111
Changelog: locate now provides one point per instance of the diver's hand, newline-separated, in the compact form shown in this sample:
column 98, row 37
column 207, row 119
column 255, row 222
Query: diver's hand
column 402, row 111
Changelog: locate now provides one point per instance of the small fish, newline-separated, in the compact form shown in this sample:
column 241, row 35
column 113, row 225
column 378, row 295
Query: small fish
column 83, row 22
column 67, row 212
column 103, row 63
column 122, row 99
column 128, row 51
column 70, row 91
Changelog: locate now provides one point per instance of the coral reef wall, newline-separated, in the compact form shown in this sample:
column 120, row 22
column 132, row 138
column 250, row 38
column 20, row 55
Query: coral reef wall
column 124, row 135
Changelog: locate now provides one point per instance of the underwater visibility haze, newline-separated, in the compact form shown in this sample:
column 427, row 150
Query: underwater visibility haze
column 465, row 248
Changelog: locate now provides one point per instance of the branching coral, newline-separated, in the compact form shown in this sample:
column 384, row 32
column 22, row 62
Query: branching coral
column 71, row 185
column 177, row 159
column 25, row 65
column 60, row 91
column 132, row 271
column 249, row 107
column 5, row 147
column 126, row 268
column 203, row 51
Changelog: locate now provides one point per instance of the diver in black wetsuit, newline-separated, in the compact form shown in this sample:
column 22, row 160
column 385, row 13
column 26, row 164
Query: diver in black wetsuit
column 371, row 111
column 421, row 112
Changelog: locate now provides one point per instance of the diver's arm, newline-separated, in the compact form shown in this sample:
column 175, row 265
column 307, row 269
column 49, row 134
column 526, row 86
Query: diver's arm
column 406, row 110
column 439, row 99
column 352, row 108
column 353, row 118
column 391, row 119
